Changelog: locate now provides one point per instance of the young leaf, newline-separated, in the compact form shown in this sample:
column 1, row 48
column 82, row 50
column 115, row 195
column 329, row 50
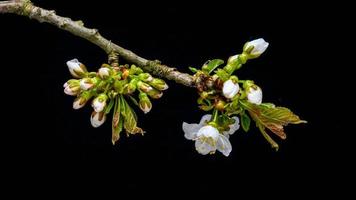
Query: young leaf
column 211, row 65
column 267, row 137
column 130, row 118
column 133, row 100
column 194, row 70
column 110, row 105
column 273, row 118
column 245, row 122
column 116, row 121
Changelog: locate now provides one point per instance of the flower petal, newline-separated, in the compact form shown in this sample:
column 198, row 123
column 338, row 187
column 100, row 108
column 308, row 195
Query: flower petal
column 190, row 130
column 203, row 147
column 233, row 127
column 204, row 119
column 224, row 145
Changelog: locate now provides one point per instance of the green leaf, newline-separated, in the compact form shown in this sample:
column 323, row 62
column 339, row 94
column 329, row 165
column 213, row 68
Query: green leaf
column 194, row 70
column 116, row 121
column 133, row 100
column 245, row 122
column 110, row 105
column 211, row 65
column 267, row 137
column 222, row 74
column 273, row 118
column 130, row 118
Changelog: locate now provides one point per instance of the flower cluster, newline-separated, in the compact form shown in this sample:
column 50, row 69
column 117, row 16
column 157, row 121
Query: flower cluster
column 221, row 92
column 107, row 88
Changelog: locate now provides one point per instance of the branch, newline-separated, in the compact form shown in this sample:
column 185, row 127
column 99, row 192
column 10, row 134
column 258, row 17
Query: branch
column 27, row 9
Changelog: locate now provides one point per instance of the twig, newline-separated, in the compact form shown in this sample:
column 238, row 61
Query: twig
column 27, row 9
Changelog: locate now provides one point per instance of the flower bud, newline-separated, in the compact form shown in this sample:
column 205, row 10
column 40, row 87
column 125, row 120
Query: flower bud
column 220, row 105
column 87, row 83
column 125, row 74
column 77, row 69
column 155, row 94
column 230, row 89
column 104, row 73
column 97, row 119
column 99, row 102
column 130, row 87
column 135, row 70
column 159, row 84
column 255, row 48
column 80, row 101
column 144, row 86
column 72, row 87
column 145, row 103
column 254, row 94
column 146, row 77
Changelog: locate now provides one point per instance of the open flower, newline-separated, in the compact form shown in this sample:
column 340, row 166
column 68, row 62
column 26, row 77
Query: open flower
column 77, row 69
column 97, row 119
column 230, row 89
column 254, row 94
column 207, row 138
column 259, row 46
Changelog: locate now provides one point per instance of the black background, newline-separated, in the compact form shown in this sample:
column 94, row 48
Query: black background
column 49, row 137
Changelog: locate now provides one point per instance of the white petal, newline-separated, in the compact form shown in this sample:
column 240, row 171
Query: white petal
column 203, row 147
column 205, row 119
column 260, row 46
column 190, row 130
column 95, row 119
column 224, row 145
column 230, row 89
column 77, row 105
column 98, row 106
column 255, row 95
column 233, row 127
column 208, row 131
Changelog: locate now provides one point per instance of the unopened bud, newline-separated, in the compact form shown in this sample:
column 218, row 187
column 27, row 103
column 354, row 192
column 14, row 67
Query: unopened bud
column 97, row 119
column 99, row 102
column 76, row 68
column 144, row 86
column 146, row 77
column 155, row 94
column 145, row 103
column 104, row 73
column 159, row 84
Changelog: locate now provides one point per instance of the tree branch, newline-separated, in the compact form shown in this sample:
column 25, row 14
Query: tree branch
column 27, row 9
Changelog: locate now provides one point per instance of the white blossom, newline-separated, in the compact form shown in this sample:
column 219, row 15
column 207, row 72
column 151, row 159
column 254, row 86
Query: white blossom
column 207, row 138
column 230, row 89
column 259, row 46
column 254, row 95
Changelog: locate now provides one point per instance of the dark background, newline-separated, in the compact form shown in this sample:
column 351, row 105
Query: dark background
column 49, row 137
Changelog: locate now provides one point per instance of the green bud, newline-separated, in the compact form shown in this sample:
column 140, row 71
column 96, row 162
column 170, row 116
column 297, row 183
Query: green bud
column 155, row 94
column 135, row 70
column 145, row 103
column 159, row 84
column 82, row 99
column 144, row 87
column 146, row 77
column 130, row 87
